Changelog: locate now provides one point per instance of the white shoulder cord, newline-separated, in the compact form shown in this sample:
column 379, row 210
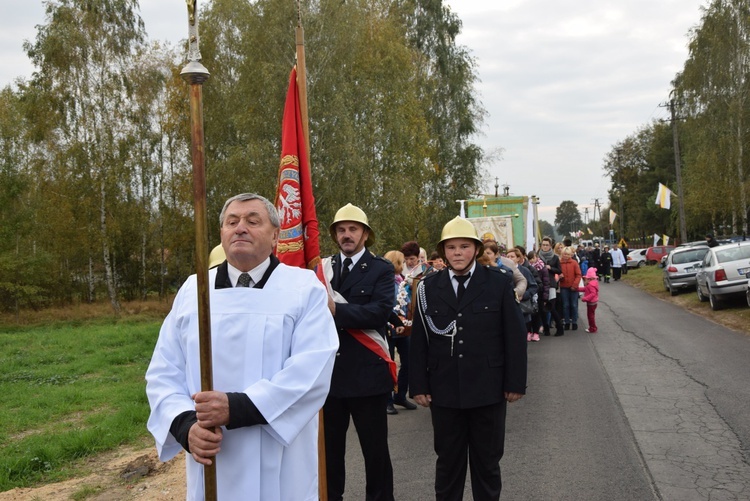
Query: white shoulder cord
column 449, row 331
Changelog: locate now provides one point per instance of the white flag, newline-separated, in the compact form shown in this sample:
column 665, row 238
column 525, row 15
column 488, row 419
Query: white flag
column 612, row 216
column 656, row 239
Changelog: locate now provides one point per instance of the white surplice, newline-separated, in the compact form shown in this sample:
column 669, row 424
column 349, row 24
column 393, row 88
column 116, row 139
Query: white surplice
column 277, row 345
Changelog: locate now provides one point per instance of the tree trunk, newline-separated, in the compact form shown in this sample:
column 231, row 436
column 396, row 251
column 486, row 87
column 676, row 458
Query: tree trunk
column 144, row 285
column 109, row 274
column 741, row 178
column 92, row 290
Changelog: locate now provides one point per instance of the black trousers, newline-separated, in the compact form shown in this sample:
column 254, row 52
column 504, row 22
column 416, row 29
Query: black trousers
column 402, row 345
column 616, row 273
column 371, row 422
column 476, row 434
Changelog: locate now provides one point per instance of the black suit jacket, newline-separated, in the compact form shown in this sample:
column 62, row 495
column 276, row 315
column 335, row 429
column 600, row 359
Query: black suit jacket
column 489, row 348
column 358, row 372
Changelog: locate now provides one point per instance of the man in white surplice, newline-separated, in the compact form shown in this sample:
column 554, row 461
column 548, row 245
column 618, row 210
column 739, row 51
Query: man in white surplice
column 273, row 343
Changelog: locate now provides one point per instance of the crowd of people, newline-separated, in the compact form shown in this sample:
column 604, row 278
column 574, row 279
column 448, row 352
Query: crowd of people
column 548, row 283
column 287, row 343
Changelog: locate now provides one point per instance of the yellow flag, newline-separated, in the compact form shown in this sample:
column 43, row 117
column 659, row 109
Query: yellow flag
column 663, row 197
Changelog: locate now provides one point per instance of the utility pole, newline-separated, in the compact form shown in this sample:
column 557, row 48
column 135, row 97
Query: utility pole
column 597, row 208
column 678, row 172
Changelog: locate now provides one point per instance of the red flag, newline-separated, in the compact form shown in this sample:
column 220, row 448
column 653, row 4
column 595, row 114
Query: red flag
column 298, row 237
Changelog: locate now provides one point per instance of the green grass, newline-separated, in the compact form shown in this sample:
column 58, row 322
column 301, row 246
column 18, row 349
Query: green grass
column 648, row 278
column 85, row 492
column 69, row 391
column 734, row 314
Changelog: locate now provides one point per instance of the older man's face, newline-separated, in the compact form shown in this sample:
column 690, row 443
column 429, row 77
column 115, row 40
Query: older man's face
column 351, row 237
column 247, row 235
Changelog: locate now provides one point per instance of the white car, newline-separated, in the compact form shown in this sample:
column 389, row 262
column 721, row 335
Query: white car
column 723, row 273
column 637, row 258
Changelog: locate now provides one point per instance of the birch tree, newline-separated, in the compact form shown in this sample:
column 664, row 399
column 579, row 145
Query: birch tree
column 714, row 92
column 83, row 55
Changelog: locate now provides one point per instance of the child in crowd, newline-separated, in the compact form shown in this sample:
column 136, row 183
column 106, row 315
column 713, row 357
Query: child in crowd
column 590, row 297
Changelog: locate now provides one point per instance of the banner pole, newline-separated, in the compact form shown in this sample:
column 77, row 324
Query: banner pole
column 302, row 89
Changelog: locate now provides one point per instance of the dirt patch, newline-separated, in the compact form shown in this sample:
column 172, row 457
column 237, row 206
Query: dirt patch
column 125, row 474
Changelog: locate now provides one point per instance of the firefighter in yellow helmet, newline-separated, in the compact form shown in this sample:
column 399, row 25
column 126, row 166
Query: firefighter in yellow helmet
column 363, row 372
column 468, row 360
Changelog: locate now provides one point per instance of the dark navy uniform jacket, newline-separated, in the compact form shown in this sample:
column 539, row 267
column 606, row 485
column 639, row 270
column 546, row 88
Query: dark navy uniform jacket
column 358, row 372
column 486, row 357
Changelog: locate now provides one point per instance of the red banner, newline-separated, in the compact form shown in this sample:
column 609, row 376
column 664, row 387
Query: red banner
column 298, row 238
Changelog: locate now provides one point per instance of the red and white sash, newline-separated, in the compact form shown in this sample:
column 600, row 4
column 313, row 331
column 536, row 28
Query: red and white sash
column 369, row 338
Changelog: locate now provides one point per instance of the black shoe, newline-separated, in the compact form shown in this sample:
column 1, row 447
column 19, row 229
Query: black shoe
column 567, row 327
column 405, row 403
column 575, row 327
column 546, row 332
column 559, row 332
column 390, row 409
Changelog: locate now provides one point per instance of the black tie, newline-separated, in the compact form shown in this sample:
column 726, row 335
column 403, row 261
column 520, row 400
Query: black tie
column 461, row 288
column 345, row 270
column 244, row 280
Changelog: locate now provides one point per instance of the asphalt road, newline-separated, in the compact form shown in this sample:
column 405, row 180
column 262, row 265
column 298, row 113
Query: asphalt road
column 654, row 406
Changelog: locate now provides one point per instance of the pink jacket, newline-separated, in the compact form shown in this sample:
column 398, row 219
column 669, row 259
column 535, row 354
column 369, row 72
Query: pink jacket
column 590, row 292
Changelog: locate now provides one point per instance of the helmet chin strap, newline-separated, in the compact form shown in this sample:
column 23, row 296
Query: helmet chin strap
column 467, row 267
column 358, row 243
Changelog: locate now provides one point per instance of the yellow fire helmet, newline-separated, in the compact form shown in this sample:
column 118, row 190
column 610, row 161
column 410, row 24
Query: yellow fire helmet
column 457, row 227
column 216, row 257
column 351, row 212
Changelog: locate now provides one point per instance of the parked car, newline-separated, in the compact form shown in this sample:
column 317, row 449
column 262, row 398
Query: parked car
column 681, row 266
column 655, row 253
column 723, row 273
column 747, row 293
column 697, row 243
column 636, row 258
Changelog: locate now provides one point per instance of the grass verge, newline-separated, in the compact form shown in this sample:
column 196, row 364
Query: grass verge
column 735, row 314
column 70, row 390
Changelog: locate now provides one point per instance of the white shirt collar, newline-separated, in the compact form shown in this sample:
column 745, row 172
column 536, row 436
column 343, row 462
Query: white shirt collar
column 356, row 257
column 455, row 282
column 256, row 274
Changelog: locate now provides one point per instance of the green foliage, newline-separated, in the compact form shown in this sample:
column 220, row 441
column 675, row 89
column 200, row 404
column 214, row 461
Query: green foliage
column 546, row 229
column 96, row 146
column 637, row 165
column 711, row 98
column 390, row 117
column 68, row 392
column 567, row 218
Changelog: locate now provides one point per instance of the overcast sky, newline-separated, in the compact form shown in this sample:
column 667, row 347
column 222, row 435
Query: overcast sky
column 562, row 80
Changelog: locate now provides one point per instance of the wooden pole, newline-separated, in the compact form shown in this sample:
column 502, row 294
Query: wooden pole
column 194, row 73
column 302, row 89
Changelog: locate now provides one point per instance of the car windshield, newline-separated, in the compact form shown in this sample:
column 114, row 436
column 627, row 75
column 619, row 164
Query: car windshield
column 733, row 254
column 689, row 256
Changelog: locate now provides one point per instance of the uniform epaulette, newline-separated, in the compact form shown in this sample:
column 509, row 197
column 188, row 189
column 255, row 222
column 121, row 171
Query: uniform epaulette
column 380, row 258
